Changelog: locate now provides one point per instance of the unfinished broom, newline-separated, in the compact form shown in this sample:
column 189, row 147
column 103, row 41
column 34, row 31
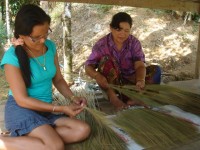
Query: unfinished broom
column 161, row 130
column 102, row 136
column 158, row 95
column 154, row 129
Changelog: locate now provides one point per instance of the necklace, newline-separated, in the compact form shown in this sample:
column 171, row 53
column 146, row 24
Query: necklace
column 36, row 59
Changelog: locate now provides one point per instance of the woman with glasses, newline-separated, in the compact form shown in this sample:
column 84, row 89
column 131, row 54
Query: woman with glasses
column 117, row 58
column 30, row 68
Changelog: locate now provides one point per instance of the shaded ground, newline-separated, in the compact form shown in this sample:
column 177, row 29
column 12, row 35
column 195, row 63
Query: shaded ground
column 165, row 40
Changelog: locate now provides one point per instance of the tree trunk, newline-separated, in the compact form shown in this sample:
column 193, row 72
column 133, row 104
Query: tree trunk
column 67, row 43
column 8, row 22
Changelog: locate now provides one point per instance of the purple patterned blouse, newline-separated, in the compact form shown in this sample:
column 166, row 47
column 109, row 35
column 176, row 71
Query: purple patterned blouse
column 131, row 52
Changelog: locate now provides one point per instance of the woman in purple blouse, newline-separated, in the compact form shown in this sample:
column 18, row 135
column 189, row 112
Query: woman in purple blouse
column 118, row 58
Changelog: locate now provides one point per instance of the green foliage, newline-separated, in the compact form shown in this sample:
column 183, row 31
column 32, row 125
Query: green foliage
column 57, row 10
column 16, row 5
column 2, row 35
column 160, row 11
column 196, row 17
column 4, row 86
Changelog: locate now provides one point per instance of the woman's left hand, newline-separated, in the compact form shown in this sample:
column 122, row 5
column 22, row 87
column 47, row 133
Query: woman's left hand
column 72, row 109
column 80, row 101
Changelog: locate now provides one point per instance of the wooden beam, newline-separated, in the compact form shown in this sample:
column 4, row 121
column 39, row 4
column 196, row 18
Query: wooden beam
column 154, row 4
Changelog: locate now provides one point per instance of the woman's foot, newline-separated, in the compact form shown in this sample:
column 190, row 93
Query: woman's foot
column 118, row 104
column 135, row 103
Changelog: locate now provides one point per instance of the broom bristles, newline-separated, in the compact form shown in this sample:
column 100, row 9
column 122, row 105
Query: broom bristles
column 158, row 95
column 102, row 136
column 149, row 128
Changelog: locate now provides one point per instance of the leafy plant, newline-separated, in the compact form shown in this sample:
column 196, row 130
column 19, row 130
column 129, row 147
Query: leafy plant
column 2, row 35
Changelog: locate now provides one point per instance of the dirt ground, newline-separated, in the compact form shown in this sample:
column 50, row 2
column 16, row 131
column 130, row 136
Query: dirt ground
column 165, row 39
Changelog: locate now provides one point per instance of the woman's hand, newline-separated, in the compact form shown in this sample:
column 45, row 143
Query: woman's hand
column 15, row 42
column 72, row 110
column 140, row 85
column 79, row 101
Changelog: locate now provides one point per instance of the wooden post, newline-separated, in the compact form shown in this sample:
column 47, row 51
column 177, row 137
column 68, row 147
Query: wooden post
column 67, row 43
column 198, row 55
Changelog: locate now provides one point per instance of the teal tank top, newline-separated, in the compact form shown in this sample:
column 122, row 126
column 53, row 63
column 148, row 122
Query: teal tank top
column 41, row 80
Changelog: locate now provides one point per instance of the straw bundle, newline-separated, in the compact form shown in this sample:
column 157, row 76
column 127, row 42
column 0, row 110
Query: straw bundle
column 83, row 91
column 102, row 136
column 158, row 95
column 154, row 129
column 147, row 127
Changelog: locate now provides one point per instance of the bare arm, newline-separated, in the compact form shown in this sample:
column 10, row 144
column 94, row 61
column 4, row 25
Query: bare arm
column 60, row 83
column 140, row 74
column 140, row 70
column 100, row 79
column 90, row 70
column 62, row 86
column 17, row 85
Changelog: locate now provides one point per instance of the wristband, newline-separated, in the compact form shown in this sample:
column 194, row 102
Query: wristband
column 141, row 80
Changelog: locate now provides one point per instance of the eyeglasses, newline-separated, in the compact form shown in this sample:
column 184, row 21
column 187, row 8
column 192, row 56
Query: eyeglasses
column 35, row 40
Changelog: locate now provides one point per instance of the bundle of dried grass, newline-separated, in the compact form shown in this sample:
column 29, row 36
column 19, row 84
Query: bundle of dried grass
column 80, row 91
column 154, row 129
column 102, row 136
column 158, row 95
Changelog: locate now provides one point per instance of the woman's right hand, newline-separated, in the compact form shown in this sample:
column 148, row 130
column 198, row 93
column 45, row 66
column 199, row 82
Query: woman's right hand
column 72, row 110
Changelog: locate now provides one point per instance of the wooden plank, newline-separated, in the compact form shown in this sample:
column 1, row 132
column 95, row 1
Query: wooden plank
column 197, row 65
column 154, row 4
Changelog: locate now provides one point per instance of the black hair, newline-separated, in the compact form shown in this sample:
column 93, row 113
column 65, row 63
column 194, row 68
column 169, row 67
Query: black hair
column 27, row 17
column 120, row 17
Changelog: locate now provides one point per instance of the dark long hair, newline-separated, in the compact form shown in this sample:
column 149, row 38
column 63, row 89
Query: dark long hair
column 28, row 16
column 120, row 17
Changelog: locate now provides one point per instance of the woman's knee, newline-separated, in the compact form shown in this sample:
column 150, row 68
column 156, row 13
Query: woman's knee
column 56, row 144
column 49, row 137
column 82, row 131
column 53, row 143
column 85, row 129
